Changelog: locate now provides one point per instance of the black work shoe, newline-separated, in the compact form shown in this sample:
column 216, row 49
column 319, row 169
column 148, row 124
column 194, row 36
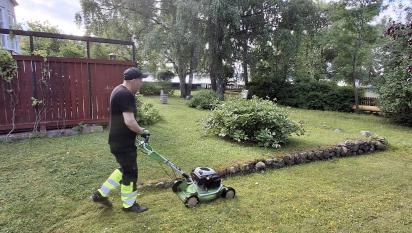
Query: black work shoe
column 98, row 198
column 136, row 208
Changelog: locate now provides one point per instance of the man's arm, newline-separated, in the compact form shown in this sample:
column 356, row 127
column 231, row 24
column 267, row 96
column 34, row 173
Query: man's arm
column 131, row 123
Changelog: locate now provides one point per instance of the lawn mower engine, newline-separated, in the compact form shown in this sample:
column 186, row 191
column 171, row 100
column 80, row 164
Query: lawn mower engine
column 206, row 178
column 203, row 184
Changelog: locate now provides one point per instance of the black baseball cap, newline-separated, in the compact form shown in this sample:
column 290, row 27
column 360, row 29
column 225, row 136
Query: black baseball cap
column 133, row 73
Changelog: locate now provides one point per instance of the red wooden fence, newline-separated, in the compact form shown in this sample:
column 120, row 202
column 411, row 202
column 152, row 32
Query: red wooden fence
column 71, row 95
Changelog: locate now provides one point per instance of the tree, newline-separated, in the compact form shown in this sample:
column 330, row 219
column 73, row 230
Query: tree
column 289, row 51
column 394, row 85
column 165, row 31
column 45, row 45
column 353, row 38
column 48, row 46
column 176, row 39
column 220, row 17
column 252, row 27
column 165, row 75
column 312, row 54
column 72, row 49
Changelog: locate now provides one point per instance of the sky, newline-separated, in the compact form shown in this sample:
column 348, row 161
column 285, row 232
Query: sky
column 396, row 9
column 57, row 12
column 61, row 12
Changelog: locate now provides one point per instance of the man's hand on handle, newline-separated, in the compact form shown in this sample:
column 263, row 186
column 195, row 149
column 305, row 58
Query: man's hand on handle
column 145, row 132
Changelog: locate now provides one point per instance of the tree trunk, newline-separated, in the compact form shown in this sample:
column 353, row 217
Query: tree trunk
column 216, row 75
column 245, row 63
column 213, row 74
column 221, row 88
column 182, row 80
column 191, row 69
column 355, row 89
column 213, row 84
column 355, row 92
column 189, row 85
column 220, row 79
column 215, row 39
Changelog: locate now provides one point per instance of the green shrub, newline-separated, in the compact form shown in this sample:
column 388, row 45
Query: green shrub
column 165, row 75
column 395, row 85
column 147, row 114
column 322, row 95
column 8, row 66
column 256, row 120
column 204, row 100
column 153, row 88
column 272, row 88
column 395, row 98
column 309, row 94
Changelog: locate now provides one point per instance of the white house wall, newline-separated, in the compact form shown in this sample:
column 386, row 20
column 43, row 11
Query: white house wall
column 8, row 14
column 196, row 79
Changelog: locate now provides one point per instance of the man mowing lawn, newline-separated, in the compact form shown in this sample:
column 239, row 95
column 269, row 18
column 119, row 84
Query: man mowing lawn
column 122, row 136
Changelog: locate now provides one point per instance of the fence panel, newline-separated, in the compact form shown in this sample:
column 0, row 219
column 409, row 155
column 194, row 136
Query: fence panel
column 63, row 85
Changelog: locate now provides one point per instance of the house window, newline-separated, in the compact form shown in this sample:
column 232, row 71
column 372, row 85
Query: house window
column 2, row 25
column 1, row 18
column 10, row 37
column 12, row 22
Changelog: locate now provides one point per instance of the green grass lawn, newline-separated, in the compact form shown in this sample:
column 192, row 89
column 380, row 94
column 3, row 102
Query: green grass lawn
column 45, row 183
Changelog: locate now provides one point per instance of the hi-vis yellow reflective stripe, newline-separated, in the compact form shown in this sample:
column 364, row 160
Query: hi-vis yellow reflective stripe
column 128, row 203
column 133, row 194
column 104, row 191
column 111, row 183
column 116, row 175
column 128, row 195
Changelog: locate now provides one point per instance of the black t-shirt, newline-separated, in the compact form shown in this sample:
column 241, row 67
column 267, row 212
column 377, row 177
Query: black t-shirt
column 121, row 137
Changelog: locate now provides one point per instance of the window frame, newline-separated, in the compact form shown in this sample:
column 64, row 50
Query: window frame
column 10, row 39
column 2, row 23
column 2, row 9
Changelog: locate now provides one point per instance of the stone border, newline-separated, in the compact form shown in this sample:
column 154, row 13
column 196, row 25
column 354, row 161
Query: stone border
column 345, row 149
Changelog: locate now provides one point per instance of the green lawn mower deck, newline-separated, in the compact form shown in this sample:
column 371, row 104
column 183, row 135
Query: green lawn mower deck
column 202, row 185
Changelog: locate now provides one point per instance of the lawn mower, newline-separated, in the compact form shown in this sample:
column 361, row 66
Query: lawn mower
column 203, row 184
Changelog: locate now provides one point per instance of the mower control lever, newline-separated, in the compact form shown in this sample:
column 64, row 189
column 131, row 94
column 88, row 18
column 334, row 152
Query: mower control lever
column 146, row 138
column 186, row 176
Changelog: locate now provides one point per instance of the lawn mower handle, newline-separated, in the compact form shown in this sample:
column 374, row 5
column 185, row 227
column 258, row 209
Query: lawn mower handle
column 144, row 145
column 146, row 138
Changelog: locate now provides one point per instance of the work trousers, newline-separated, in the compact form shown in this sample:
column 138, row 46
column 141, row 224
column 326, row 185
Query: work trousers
column 125, row 176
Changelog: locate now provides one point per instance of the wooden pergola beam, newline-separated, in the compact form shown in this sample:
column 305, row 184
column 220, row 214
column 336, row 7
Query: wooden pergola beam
column 64, row 36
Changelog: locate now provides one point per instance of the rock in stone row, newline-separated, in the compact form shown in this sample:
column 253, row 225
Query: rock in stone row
column 288, row 160
column 245, row 167
column 380, row 146
column 260, row 166
column 269, row 162
column 338, row 130
column 160, row 185
column 232, row 170
column 278, row 163
column 366, row 133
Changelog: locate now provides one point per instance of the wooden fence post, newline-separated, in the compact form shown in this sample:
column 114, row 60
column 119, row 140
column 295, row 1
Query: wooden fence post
column 33, row 67
column 89, row 81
